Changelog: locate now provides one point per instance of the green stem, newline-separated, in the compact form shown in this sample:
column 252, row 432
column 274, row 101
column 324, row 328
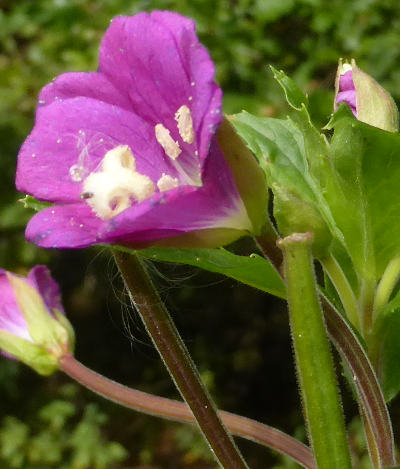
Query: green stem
column 180, row 412
column 366, row 301
column 176, row 358
column 318, row 384
column 343, row 287
column 386, row 285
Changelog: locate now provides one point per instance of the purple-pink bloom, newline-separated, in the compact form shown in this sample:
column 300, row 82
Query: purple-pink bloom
column 12, row 319
column 33, row 326
column 128, row 154
column 347, row 91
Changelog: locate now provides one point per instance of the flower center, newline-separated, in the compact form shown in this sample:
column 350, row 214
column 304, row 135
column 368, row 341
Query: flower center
column 117, row 185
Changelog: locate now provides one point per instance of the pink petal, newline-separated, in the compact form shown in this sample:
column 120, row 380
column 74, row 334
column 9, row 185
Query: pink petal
column 48, row 288
column 11, row 318
column 79, row 132
column 64, row 226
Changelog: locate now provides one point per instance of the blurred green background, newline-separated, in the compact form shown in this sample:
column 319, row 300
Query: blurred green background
column 240, row 340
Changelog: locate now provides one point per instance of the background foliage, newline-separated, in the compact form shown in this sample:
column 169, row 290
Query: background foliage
column 241, row 339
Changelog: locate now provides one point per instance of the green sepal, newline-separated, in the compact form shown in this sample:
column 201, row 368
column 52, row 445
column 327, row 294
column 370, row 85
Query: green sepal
column 44, row 329
column 63, row 321
column 29, row 353
column 249, row 177
column 30, row 202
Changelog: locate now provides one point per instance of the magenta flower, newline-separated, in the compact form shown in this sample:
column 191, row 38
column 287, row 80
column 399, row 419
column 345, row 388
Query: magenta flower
column 33, row 327
column 128, row 154
column 347, row 90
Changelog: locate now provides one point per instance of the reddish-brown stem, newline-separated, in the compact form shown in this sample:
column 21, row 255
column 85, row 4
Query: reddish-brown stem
column 267, row 245
column 374, row 411
column 180, row 412
column 177, row 360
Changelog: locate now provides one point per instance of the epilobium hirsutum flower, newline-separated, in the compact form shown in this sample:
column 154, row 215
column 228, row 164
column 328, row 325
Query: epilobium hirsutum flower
column 33, row 327
column 369, row 102
column 128, row 154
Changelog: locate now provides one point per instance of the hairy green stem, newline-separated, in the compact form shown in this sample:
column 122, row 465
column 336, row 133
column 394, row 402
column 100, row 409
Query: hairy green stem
column 180, row 412
column 176, row 358
column 343, row 288
column 315, row 368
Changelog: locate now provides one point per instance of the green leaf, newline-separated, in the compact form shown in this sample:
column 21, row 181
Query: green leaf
column 253, row 270
column 352, row 183
column 367, row 161
column 385, row 348
column 316, row 147
column 294, row 95
column 279, row 147
column 292, row 155
column 345, row 194
column 388, row 354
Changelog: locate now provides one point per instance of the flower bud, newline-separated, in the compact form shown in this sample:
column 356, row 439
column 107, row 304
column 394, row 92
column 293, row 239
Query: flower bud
column 369, row 102
column 33, row 327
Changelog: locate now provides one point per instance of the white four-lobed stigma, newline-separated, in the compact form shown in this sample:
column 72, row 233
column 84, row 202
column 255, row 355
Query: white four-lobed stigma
column 112, row 190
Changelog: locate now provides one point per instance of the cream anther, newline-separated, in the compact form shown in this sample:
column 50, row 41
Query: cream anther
column 166, row 183
column 164, row 138
column 183, row 117
column 112, row 190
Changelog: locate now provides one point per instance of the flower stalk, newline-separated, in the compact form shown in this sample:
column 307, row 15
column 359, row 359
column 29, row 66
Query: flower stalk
column 386, row 285
column 180, row 412
column 177, row 360
column 344, row 290
column 315, row 368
